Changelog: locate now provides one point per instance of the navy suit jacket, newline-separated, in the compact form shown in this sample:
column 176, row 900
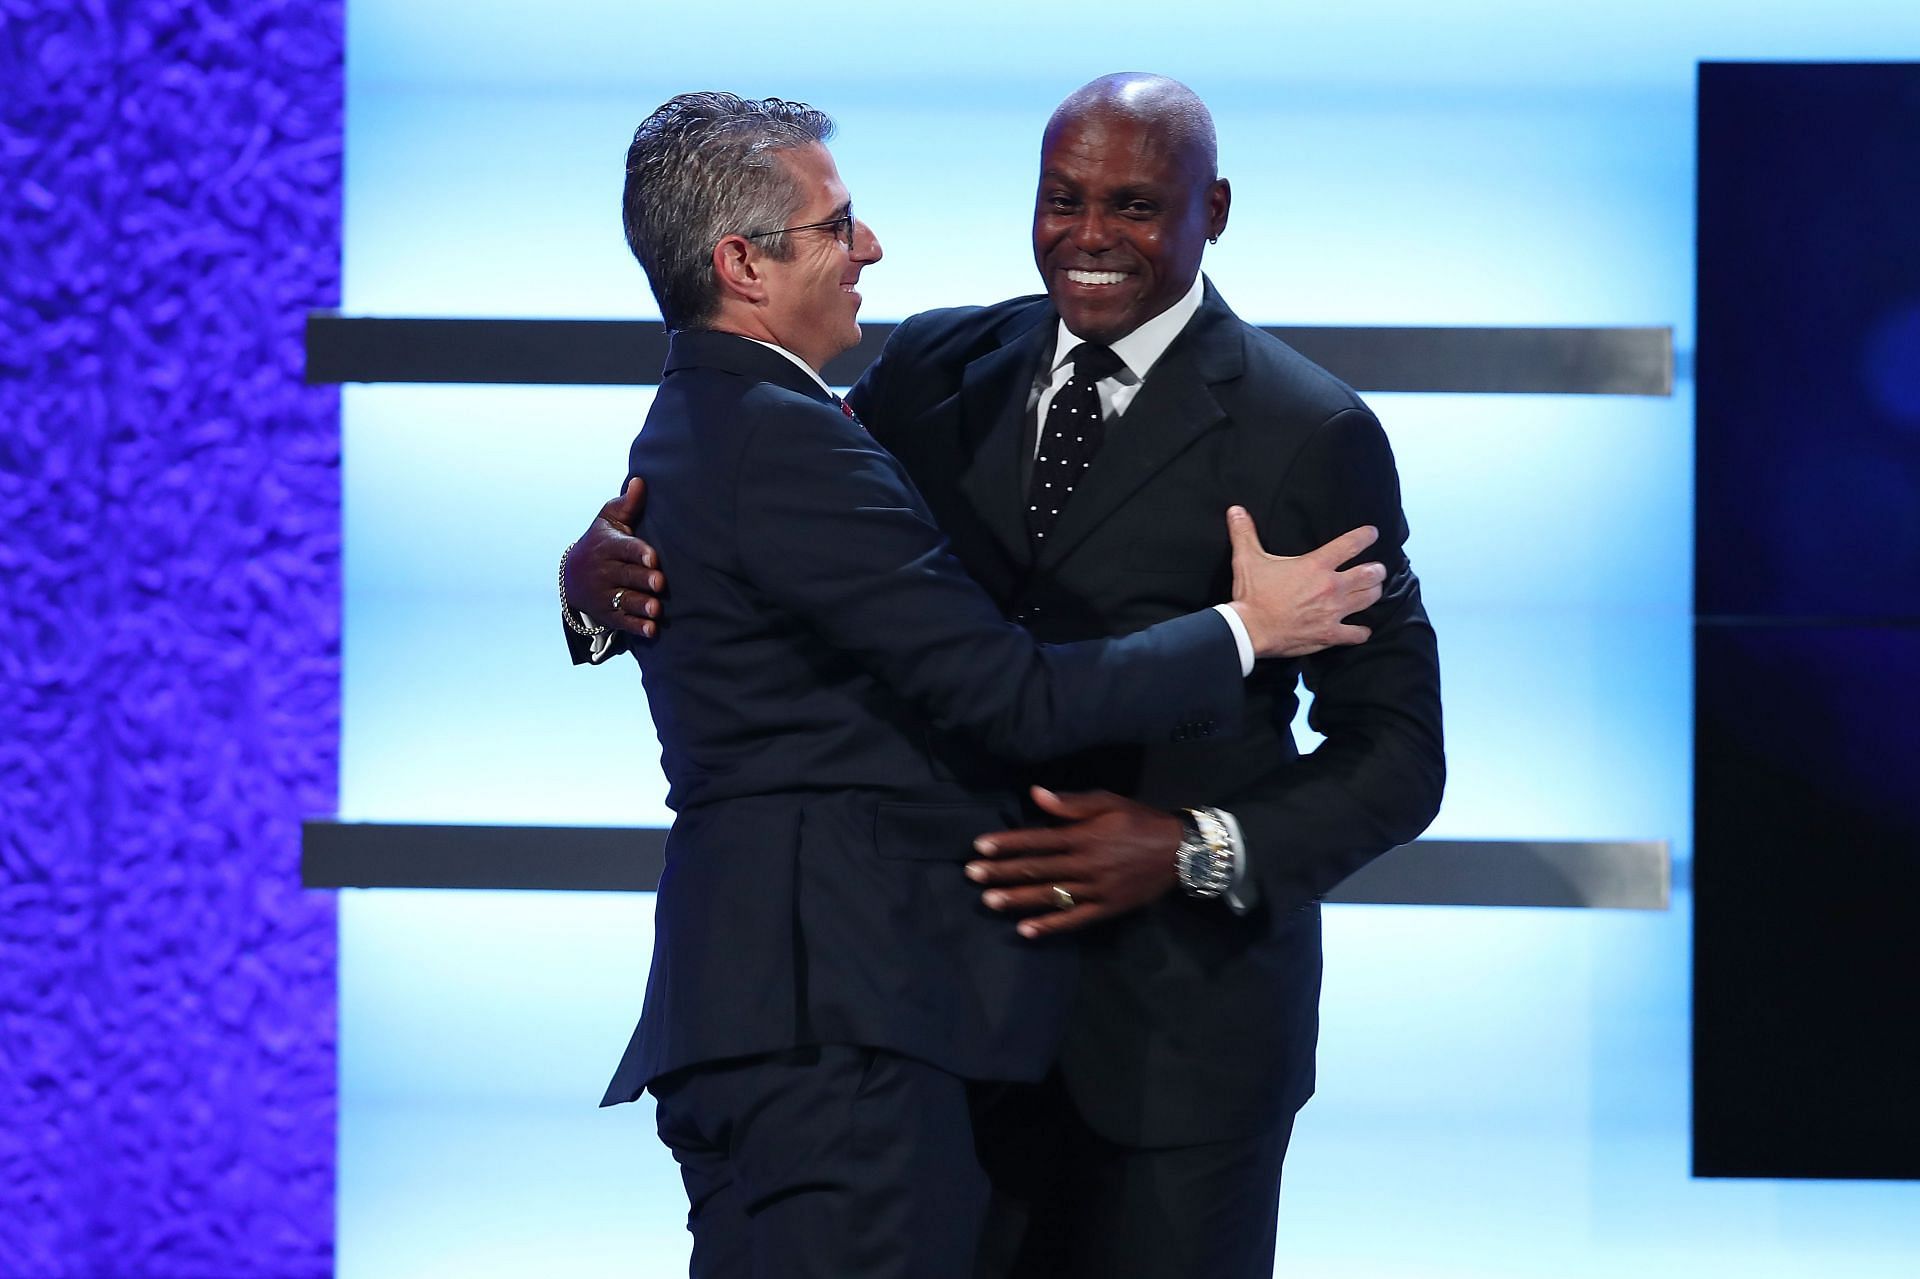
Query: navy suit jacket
column 1191, row 1024
column 823, row 662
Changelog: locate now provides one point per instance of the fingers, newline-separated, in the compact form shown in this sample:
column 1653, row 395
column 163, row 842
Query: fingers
column 640, row 584
column 652, row 582
column 616, row 541
column 619, row 546
column 1062, row 921
column 631, row 623
column 641, row 626
column 623, row 512
column 1360, row 588
column 626, row 508
column 1242, row 533
column 1342, row 636
column 1027, row 839
column 1075, row 805
column 1373, row 573
column 1347, row 545
column 1031, row 898
column 1041, row 905
column 1011, row 869
column 607, row 561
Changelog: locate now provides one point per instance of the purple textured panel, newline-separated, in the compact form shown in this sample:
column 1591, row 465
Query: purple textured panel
column 169, row 636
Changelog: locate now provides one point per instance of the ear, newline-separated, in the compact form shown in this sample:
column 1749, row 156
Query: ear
column 1219, row 201
column 736, row 268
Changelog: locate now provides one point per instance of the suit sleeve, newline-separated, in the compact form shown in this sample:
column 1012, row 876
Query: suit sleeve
column 831, row 529
column 1376, row 781
column 879, row 387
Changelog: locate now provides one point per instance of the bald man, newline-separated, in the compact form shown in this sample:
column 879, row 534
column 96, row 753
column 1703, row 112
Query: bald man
column 1189, row 873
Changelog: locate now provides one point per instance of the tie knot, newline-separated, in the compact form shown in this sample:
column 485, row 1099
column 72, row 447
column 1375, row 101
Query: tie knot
column 1092, row 361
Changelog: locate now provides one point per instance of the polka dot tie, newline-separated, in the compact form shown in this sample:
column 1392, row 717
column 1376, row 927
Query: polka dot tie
column 1069, row 438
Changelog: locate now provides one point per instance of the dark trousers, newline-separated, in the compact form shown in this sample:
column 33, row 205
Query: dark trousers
column 835, row 1162
column 1069, row 1204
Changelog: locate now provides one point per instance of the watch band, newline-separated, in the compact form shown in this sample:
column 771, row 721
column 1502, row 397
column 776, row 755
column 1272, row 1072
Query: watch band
column 1204, row 860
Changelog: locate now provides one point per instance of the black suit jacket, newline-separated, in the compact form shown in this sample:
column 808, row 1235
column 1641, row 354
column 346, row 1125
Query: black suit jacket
column 818, row 636
column 1192, row 1024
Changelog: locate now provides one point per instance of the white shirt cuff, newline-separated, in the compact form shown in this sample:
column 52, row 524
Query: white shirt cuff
column 1241, row 895
column 1241, row 641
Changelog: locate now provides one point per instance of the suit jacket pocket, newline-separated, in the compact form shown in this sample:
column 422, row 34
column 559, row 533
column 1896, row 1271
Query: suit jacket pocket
column 936, row 832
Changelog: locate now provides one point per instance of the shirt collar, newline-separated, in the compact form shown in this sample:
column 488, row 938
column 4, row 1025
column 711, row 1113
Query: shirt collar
column 1142, row 348
column 818, row 380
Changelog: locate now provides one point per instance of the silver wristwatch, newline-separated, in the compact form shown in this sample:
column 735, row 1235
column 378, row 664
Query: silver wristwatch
column 1204, row 860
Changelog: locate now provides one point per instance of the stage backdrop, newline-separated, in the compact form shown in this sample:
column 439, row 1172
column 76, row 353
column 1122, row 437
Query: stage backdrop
column 1503, row 1092
column 169, row 637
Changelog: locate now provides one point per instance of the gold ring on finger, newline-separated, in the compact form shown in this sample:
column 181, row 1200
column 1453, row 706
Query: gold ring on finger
column 1062, row 899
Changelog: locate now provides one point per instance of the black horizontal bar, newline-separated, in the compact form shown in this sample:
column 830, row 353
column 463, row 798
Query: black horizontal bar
column 1430, row 872
column 599, row 859
column 1488, row 361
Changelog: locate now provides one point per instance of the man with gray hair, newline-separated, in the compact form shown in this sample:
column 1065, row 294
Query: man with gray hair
column 834, row 699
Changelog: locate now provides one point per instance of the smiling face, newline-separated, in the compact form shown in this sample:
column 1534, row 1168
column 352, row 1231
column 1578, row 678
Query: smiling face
column 812, row 299
column 1122, row 214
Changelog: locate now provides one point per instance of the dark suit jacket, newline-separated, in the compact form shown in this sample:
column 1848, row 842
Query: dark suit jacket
column 818, row 636
column 1192, row 1024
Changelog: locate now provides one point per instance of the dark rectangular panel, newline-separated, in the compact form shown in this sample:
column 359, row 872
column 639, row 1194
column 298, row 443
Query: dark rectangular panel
column 530, row 352
column 1807, row 649
column 1505, row 361
column 1568, row 361
column 1808, row 360
column 405, row 855
column 1806, row 1048
column 1594, row 874
column 621, row 859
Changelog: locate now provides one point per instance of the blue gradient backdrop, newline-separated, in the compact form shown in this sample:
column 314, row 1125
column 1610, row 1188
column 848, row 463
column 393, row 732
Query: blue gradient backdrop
column 1504, row 1092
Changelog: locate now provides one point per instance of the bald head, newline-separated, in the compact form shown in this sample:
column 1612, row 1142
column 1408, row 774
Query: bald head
column 1162, row 105
column 1129, row 196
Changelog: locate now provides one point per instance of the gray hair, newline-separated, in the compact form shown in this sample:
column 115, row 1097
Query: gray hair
column 704, row 166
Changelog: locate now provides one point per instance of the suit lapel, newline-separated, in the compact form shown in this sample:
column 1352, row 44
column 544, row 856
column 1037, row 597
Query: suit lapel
column 1175, row 407
column 993, row 410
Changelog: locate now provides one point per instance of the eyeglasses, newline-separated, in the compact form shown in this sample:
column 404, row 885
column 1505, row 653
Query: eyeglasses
column 842, row 228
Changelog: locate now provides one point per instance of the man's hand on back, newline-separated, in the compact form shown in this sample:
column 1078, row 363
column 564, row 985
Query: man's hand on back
column 609, row 562
column 1111, row 856
column 1295, row 605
